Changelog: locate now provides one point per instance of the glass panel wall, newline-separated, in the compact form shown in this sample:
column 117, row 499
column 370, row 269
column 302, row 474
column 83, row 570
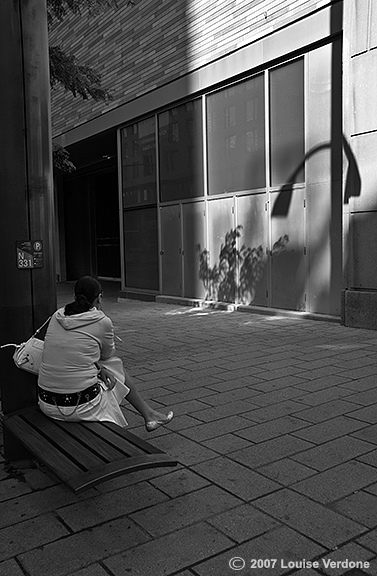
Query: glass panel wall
column 236, row 137
column 287, row 123
column 141, row 254
column 139, row 163
column 181, row 152
column 139, row 186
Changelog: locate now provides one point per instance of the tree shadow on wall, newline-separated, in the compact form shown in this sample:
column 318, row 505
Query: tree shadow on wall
column 236, row 276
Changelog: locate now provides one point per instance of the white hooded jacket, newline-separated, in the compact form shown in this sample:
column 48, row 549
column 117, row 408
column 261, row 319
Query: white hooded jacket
column 73, row 345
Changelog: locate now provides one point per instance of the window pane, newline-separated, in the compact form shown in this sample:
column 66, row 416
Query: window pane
column 141, row 248
column 287, row 123
column 236, row 138
column 139, row 163
column 181, row 152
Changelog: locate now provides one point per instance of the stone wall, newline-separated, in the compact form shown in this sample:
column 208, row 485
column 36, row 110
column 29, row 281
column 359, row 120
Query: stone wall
column 360, row 130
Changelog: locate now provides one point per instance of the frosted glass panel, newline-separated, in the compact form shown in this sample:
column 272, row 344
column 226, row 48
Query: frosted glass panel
column 287, row 123
column 236, row 137
column 141, row 248
column 139, row 163
column 181, row 152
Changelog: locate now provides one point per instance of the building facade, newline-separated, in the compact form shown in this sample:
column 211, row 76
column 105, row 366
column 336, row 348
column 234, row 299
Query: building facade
column 234, row 163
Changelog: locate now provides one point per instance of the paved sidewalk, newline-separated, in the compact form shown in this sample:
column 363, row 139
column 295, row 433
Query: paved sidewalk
column 276, row 435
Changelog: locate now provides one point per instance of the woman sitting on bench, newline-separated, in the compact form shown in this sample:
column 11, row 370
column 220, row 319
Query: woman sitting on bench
column 80, row 377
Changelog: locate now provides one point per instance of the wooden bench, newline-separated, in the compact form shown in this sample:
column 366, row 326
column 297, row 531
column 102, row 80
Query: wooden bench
column 83, row 454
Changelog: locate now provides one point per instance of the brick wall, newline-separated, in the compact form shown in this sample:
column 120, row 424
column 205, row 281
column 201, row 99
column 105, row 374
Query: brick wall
column 141, row 47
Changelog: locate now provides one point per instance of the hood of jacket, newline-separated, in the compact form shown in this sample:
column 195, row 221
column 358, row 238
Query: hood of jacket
column 78, row 320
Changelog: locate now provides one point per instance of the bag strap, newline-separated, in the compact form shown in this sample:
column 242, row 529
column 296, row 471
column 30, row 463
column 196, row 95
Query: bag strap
column 35, row 333
column 43, row 325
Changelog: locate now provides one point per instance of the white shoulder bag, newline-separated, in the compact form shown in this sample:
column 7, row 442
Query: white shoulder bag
column 28, row 355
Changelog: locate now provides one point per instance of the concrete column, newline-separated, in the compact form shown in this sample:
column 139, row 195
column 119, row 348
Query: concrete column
column 27, row 296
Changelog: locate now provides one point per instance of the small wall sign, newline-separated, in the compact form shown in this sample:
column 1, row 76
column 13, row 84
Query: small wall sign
column 29, row 254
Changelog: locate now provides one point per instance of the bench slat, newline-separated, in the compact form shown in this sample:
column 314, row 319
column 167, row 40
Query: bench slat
column 112, row 436
column 83, row 454
column 36, row 443
column 63, row 441
column 93, row 441
column 114, row 469
column 135, row 440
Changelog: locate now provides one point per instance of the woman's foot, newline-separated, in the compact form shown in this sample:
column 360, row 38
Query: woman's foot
column 156, row 419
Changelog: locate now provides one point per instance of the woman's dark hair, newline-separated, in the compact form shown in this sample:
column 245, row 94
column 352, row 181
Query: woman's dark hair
column 87, row 289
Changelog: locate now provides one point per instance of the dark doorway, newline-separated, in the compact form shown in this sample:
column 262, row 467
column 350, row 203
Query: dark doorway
column 107, row 225
column 91, row 215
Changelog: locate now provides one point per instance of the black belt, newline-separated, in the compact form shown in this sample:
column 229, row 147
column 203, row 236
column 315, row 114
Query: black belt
column 72, row 399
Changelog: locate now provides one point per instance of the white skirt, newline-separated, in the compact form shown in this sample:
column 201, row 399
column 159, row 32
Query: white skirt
column 104, row 407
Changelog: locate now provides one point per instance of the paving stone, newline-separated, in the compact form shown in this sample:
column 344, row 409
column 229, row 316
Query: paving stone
column 276, row 396
column 269, row 451
column 179, row 482
column 170, row 399
column 81, row 550
column 327, row 411
column 191, row 407
column 362, row 371
column 372, row 489
column 316, row 383
column 329, row 430
column 369, row 434
column 274, row 411
column 306, row 572
column 237, row 373
column 360, row 385
column 368, row 414
column 13, row 487
column 281, row 544
column 235, row 478
column 109, row 506
column 224, row 410
column 29, row 534
column 183, row 449
column 286, row 471
column 184, row 510
column 243, row 523
column 361, row 507
column 226, row 443
column 231, row 395
column 216, row 428
column 354, row 363
column 161, row 374
column 324, row 395
column 268, row 430
column 10, row 568
column 369, row 540
column 233, row 384
column 186, row 547
column 337, row 482
column 38, row 503
column 179, row 385
column 314, row 520
column 92, row 570
column 365, row 398
column 334, row 452
column 351, row 552
column 317, row 364
column 182, row 421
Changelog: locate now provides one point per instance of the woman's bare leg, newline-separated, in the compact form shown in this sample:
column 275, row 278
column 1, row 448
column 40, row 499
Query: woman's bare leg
column 134, row 398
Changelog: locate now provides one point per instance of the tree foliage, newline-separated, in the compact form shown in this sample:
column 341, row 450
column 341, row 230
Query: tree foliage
column 80, row 80
column 58, row 9
column 65, row 70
